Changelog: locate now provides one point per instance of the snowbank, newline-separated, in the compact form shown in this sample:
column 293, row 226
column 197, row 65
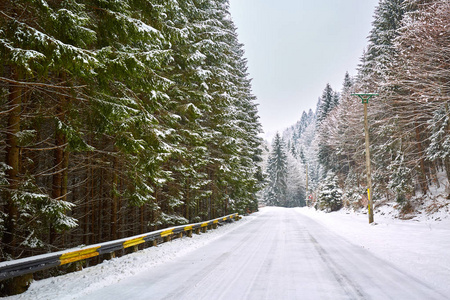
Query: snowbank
column 78, row 284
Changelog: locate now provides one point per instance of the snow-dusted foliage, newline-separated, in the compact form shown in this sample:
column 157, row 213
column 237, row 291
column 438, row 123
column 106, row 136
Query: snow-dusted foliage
column 439, row 147
column 330, row 195
column 294, row 155
column 120, row 117
column 407, row 64
column 296, row 182
column 277, row 170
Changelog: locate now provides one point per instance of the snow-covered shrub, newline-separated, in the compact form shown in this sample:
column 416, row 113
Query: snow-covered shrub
column 330, row 195
column 400, row 179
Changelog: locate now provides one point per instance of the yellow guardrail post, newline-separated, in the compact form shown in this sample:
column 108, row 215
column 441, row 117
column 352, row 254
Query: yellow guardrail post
column 78, row 255
column 21, row 267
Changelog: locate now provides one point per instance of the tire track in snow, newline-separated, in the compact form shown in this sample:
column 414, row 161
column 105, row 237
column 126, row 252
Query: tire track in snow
column 351, row 289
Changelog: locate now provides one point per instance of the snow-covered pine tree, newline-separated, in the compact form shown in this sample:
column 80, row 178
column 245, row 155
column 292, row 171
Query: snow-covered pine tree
column 328, row 101
column 400, row 179
column 296, row 180
column 277, row 174
column 330, row 195
column 439, row 148
column 232, row 123
column 47, row 57
column 132, row 47
column 348, row 84
column 373, row 75
column 381, row 51
column 184, row 184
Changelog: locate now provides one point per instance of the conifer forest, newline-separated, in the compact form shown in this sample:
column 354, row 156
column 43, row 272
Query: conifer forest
column 407, row 63
column 121, row 117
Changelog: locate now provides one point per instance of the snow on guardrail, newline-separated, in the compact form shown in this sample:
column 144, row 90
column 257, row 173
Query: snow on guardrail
column 19, row 267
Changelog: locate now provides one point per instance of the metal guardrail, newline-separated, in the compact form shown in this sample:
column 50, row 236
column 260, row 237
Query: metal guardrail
column 18, row 267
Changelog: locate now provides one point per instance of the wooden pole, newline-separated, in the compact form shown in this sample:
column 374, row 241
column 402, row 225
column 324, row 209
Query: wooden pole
column 369, row 179
column 307, row 194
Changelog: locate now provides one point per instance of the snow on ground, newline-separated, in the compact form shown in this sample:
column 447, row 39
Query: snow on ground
column 419, row 246
column 109, row 272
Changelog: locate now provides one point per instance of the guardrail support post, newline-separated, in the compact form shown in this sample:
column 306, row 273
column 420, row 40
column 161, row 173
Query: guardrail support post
column 108, row 256
column 76, row 266
column 74, row 259
column 17, row 285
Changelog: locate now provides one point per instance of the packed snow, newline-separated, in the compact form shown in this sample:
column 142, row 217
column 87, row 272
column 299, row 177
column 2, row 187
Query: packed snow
column 419, row 246
column 277, row 253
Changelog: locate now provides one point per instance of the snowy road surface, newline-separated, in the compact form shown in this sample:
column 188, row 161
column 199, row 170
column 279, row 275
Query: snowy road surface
column 281, row 254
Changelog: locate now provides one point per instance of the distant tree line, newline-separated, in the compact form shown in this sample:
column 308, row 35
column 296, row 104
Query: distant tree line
column 120, row 117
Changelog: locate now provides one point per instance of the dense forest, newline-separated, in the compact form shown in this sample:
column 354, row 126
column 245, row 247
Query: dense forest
column 407, row 62
column 121, row 117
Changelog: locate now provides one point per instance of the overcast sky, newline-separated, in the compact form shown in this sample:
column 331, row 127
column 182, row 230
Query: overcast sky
column 295, row 47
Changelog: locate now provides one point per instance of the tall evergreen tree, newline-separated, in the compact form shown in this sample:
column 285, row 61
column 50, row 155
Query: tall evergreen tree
column 348, row 83
column 296, row 190
column 381, row 51
column 328, row 101
column 277, row 172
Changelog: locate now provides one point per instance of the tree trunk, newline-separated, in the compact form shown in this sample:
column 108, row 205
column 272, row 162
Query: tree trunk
column 422, row 171
column 115, row 187
column 142, row 227
column 102, row 206
column 12, row 160
column 187, row 216
column 61, row 161
column 92, row 209
column 447, row 159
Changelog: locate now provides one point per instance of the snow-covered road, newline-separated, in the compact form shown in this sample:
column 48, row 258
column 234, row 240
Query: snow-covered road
column 275, row 254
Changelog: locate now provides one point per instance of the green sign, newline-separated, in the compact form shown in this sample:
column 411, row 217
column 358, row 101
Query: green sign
column 365, row 96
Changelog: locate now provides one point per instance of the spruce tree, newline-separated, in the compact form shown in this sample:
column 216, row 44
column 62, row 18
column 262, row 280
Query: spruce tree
column 348, row 83
column 381, row 51
column 439, row 148
column 327, row 102
column 277, row 172
column 330, row 195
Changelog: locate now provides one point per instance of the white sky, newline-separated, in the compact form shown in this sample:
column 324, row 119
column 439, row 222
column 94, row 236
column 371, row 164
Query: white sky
column 295, row 47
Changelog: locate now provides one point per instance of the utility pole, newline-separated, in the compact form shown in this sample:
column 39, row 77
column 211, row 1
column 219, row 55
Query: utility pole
column 365, row 100
column 307, row 194
column 306, row 178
